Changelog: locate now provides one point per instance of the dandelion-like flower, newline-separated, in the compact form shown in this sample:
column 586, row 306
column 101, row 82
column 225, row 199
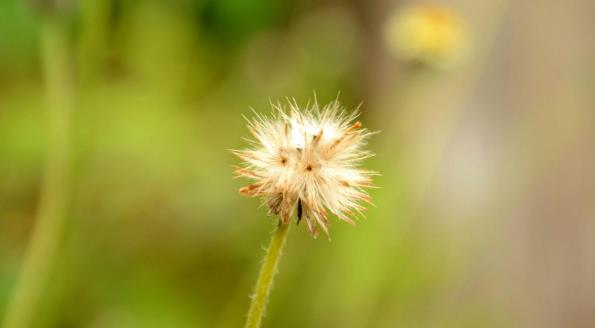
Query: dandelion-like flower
column 428, row 35
column 308, row 161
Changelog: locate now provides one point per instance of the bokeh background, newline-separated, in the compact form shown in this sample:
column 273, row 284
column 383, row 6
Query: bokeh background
column 485, row 215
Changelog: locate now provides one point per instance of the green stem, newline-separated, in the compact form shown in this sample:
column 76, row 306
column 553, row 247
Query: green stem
column 46, row 235
column 268, row 270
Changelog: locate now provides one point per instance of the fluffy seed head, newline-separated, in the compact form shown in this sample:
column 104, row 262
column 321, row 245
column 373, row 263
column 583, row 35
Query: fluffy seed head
column 307, row 160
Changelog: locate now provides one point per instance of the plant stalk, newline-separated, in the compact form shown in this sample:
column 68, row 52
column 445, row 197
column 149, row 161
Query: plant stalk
column 47, row 232
column 266, row 275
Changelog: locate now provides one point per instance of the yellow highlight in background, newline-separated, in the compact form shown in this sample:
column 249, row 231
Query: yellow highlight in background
column 428, row 35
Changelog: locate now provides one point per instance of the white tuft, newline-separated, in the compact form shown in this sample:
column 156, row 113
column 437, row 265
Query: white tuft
column 308, row 158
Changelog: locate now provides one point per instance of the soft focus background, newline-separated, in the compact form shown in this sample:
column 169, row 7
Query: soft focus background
column 485, row 215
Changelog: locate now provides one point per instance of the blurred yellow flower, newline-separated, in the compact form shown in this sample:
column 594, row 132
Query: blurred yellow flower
column 428, row 35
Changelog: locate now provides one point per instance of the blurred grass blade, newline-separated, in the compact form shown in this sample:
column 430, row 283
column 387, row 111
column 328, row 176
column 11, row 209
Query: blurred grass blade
column 48, row 229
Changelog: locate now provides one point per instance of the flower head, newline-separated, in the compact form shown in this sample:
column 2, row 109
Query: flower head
column 307, row 161
column 428, row 35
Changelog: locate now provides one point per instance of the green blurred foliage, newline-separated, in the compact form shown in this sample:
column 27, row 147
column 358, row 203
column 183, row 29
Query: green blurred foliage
column 158, row 235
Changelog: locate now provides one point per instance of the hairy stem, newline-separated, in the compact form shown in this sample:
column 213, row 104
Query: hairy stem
column 268, row 270
column 46, row 235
